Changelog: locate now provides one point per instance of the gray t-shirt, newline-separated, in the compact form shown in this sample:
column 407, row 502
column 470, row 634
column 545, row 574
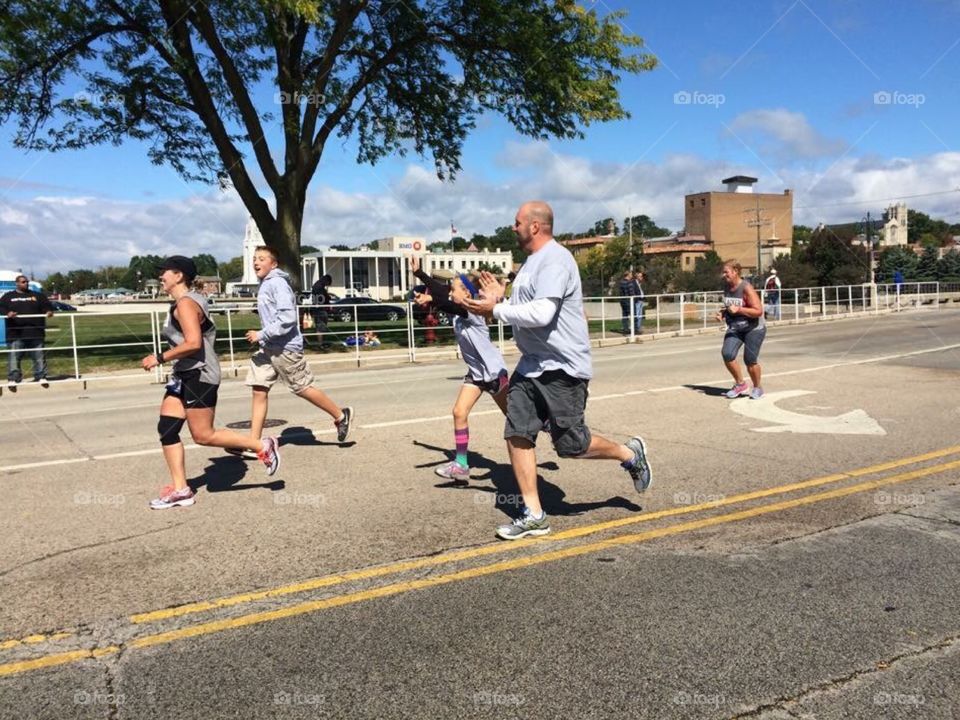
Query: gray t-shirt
column 483, row 358
column 564, row 342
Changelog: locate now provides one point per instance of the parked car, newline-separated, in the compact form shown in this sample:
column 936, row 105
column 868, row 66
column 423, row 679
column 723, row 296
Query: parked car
column 60, row 306
column 420, row 312
column 367, row 309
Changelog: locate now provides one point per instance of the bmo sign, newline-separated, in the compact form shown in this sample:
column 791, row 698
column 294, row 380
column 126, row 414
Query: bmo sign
column 402, row 244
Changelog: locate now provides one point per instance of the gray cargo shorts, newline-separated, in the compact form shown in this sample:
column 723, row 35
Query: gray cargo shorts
column 553, row 396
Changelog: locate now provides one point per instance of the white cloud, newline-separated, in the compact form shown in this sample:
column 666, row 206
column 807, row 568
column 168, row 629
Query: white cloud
column 55, row 234
column 783, row 134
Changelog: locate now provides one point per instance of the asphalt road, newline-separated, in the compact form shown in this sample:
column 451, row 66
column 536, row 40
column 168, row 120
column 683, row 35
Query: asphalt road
column 797, row 557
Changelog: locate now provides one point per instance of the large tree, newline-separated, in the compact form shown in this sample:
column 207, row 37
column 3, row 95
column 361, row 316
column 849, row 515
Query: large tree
column 200, row 81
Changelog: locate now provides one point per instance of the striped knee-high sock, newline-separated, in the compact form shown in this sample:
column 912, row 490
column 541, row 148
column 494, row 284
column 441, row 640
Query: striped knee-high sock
column 462, row 438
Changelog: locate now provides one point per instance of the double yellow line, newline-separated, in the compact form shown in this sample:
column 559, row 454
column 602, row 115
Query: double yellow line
column 397, row 588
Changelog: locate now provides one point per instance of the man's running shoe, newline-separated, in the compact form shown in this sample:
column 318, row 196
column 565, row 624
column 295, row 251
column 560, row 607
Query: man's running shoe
column 756, row 393
column 270, row 455
column 44, row 383
column 524, row 525
column 241, row 453
column 737, row 390
column 639, row 467
column 453, row 471
column 343, row 425
column 169, row 497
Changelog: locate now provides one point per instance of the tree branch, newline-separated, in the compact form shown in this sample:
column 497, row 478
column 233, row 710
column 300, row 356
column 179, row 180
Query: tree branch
column 238, row 90
column 173, row 12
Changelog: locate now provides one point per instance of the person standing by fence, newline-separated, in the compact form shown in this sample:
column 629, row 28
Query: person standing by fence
column 25, row 334
column 772, row 292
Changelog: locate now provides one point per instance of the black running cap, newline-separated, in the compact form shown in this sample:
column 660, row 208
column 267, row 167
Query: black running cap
column 180, row 263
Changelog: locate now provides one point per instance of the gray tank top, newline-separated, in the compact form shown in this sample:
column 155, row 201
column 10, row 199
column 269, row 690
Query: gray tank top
column 736, row 297
column 205, row 359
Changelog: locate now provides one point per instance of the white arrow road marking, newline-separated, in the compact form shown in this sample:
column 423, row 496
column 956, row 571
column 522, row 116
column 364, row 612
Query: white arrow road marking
column 855, row 422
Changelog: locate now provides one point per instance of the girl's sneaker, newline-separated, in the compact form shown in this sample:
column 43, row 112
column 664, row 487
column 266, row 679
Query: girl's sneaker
column 169, row 497
column 737, row 390
column 454, row 471
column 756, row 393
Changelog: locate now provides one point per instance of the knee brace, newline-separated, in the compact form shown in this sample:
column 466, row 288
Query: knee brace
column 169, row 429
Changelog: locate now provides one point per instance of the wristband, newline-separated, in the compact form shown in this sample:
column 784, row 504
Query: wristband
column 159, row 357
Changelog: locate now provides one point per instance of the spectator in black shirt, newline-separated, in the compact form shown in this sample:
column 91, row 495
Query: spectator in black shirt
column 25, row 334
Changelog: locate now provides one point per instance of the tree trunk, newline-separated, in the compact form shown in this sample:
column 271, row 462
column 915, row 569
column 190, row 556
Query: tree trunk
column 286, row 241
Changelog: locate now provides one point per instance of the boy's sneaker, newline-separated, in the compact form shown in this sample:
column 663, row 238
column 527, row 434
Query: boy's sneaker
column 241, row 453
column 454, row 471
column 639, row 467
column 737, row 390
column 343, row 426
column 270, row 455
column 524, row 525
column 756, row 393
column 169, row 497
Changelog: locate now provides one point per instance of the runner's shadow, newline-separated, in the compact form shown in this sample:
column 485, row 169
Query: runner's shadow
column 299, row 435
column 707, row 390
column 223, row 474
column 506, row 496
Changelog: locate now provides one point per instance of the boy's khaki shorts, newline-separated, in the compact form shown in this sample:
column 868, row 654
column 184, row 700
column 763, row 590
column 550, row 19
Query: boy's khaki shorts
column 267, row 366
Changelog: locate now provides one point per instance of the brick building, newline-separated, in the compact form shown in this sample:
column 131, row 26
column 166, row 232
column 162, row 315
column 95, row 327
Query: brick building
column 728, row 220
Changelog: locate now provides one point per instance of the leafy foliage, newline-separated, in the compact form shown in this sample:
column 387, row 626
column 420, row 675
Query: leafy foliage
column 188, row 79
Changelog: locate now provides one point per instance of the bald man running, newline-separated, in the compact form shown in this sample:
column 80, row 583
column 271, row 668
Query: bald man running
column 550, row 382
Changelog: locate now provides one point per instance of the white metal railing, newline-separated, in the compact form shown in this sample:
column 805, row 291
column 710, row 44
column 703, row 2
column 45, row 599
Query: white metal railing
column 610, row 319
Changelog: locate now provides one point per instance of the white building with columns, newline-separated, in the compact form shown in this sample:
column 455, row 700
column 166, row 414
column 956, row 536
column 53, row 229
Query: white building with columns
column 384, row 273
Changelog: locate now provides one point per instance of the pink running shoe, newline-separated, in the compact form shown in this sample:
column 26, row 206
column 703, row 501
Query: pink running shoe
column 169, row 497
column 270, row 455
column 738, row 390
column 454, row 471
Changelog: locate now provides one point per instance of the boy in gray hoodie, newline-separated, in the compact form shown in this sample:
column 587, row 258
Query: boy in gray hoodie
column 280, row 355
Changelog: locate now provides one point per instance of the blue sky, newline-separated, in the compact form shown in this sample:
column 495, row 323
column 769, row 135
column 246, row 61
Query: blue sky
column 846, row 102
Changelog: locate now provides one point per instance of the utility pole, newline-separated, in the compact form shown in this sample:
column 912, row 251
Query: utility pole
column 757, row 222
column 869, row 234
